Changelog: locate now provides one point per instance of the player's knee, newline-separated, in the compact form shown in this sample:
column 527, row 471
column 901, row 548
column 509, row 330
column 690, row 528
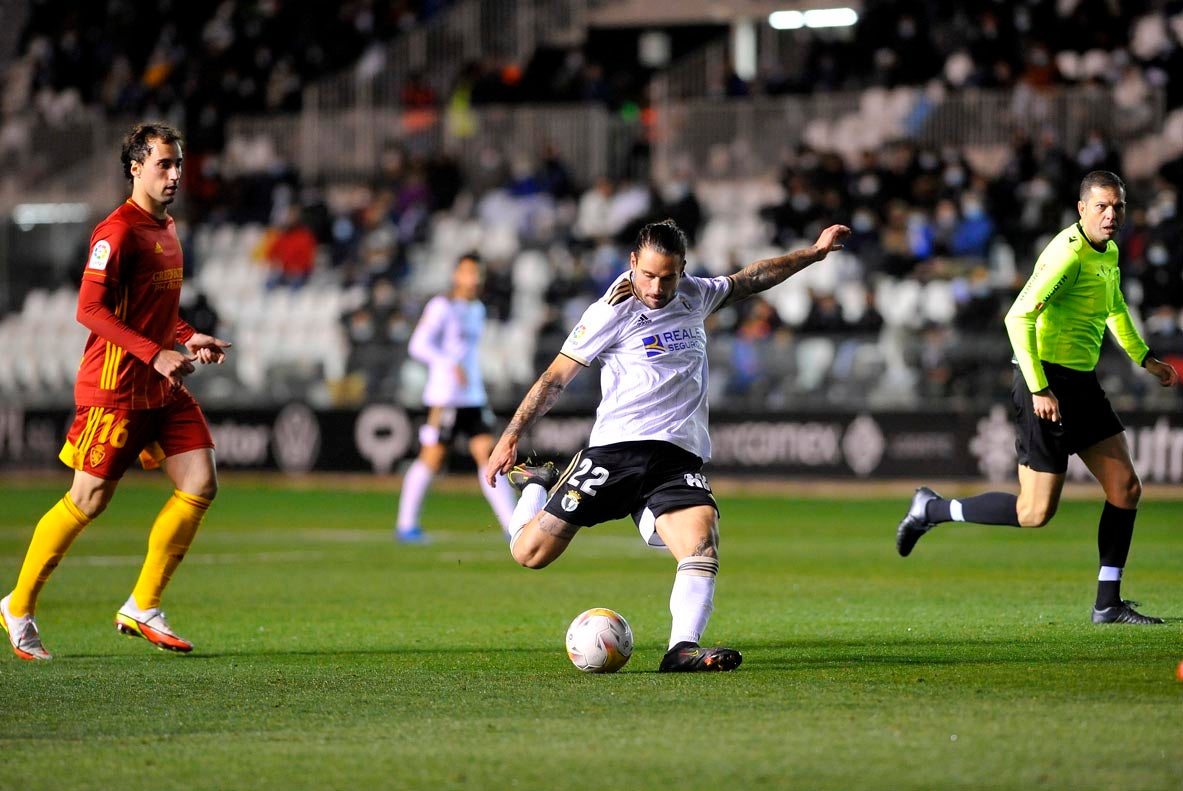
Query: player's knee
column 205, row 487
column 531, row 557
column 1134, row 493
column 90, row 503
column 1127, row 493
column 1035, row 514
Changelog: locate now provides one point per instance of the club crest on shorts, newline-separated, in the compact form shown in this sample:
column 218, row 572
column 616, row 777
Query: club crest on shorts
column 97, row 454
column 570, row 501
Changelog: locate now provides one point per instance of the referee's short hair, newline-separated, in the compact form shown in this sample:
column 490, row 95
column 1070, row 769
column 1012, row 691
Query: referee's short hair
column 663, row 237
column 1103, row 179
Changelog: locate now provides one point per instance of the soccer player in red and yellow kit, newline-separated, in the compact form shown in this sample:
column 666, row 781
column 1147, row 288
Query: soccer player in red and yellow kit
column 131, row 403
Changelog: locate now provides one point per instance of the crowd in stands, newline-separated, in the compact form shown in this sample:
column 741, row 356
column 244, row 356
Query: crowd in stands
column 199, row 63
column 1034, row 44
column 920, row 217
column 912, row 310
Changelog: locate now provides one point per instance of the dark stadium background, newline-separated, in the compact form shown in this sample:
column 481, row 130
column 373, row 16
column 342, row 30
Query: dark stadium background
column 401, row 133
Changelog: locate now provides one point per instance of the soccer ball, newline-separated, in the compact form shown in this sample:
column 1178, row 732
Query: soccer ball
column 599, row 641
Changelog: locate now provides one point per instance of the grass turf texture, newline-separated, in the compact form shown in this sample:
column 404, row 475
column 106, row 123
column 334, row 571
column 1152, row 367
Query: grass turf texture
column 329, row 657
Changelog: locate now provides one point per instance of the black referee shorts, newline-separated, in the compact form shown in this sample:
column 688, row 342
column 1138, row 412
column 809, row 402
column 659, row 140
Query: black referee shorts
column 1086, row 418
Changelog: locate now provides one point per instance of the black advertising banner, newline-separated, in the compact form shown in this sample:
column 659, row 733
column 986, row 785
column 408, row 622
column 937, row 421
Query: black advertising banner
column 380, row 438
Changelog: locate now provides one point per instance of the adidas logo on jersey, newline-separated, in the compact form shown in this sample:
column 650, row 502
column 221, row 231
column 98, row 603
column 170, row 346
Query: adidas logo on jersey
column 643, row 319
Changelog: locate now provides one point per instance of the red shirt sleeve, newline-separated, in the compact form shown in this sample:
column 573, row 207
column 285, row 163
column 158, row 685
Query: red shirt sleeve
column 96, row 315
column 185, row 331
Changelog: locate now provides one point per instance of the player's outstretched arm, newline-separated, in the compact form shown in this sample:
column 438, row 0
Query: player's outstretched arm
column 207, row 348
column 542, row 396
column 764, row 274
column 1165, row 372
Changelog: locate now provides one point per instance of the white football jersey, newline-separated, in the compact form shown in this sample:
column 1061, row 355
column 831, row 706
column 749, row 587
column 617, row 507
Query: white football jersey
column 653, row 383
column 449, row 333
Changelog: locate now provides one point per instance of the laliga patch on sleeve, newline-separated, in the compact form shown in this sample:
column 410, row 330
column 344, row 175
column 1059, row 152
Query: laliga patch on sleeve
column 99, row 256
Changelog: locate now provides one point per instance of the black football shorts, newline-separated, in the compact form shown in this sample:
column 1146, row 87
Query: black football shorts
column 1086, row 418
column 640, row 479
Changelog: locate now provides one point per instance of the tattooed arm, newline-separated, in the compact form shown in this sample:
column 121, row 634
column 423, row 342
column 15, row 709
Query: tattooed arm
column 763, row 275
column 538, row 401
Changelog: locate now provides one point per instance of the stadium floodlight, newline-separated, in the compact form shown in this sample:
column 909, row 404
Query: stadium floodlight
column 814, row 18
column 831, row 17
column 786, row 20
column 26, row 215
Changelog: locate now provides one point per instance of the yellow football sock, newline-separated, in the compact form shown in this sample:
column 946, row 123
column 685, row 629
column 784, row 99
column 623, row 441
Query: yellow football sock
column 52, row 537
column 171, row 535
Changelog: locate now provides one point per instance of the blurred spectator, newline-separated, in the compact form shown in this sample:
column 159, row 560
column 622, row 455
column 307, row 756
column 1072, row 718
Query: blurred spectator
column 291, row 252
column 748, row 373
column 824, row 317
column 498, row 293
column 444, row 180
column 974, row 230
column 554, row 176
column 870, row 320
column 378, row 248
column 936, row 369
column 593, row 220
column 459, row 119
column 201, row 314
column 417, row 92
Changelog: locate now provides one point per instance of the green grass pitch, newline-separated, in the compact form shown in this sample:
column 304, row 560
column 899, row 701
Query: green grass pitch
column 328, row 657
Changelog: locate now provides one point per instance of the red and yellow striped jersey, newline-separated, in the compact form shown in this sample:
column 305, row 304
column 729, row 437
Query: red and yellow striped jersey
column 130, row 301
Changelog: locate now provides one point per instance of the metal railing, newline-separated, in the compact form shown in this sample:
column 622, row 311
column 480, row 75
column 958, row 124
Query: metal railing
column 349, row 145
column 75, row 161
column 746, row 137
column 467, row 31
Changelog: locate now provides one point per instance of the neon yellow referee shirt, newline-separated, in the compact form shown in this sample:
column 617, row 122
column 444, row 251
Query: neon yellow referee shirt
column 1061, row 314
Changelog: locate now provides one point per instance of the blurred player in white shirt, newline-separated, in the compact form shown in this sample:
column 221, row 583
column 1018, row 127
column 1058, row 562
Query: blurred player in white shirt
column 447, row 340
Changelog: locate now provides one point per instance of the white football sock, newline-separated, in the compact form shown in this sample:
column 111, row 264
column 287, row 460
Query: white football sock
column 531, row 502
column 693, row 598
column 1109, row 574
column 500, row 498
column 415, row 485
column 955, row 511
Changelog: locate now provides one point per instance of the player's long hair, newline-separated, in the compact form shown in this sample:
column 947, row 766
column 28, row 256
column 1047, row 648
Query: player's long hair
column 663, row 237
column 1103, row 179
column 138, row 143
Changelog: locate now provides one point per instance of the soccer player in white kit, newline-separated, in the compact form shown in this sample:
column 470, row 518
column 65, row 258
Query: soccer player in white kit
column 650, row 440
column 447, row 340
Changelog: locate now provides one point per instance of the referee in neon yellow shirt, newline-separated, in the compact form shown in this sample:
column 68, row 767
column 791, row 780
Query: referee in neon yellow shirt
column 1056, row 327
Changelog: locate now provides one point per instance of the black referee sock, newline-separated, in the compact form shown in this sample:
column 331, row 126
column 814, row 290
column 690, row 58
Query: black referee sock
column 991, row 508
column 1114, row 534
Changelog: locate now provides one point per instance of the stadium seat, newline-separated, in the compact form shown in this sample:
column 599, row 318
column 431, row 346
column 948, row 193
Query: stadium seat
column 938, row 302
column 531, row 272
column 791, row 301
column 852, row 299
column 899, row 302
column 814, row 357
